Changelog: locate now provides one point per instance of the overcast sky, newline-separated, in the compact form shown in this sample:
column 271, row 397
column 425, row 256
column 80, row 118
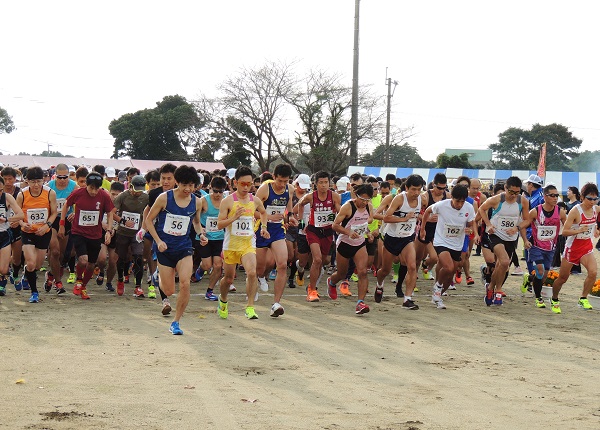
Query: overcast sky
column 466, row 70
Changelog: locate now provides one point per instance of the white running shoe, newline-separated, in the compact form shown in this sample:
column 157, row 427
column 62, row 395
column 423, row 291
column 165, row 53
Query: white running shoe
column 262, row 283
column 276, row 310
column 436, row 296
column 440, row 304
column 232, row 288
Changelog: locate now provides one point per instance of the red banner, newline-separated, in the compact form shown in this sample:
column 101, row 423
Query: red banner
column 541, row 171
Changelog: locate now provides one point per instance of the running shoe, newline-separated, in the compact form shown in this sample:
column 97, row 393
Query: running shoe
column 416, row 289
column 199, row 274
column 399, row 292
column 72, row 278
column 25, row 283
column 166, row 309
column 175, row 329
column 151, row 292
column 427, row 275
column 77, row 288
column 517, row 271
column 330, row 270
column 120, row 288
column 482, row 270
column 585, row 304
column 34, row 298
column 110, row 288
column 452, row 286
column 84, row 294
column 331, row 289
column 96, row 271
column 2, row 291
column 59, row 288
column 291, row 283
column 458, row 277
column 276, row 310
column 440, row 304
column 361, row 308
column 100, row 278
column 470, row 281
column 273, row 275
column 250, row 313
column 539, row 303
column 155, row 279
column 378, row 293
column 436, row 295
column 263, row 284
column 210, row 295
column 409, row 304
column 232, row 288
column 48, row 281
column 395, row 279
column 354, row 277
column 555, row 306
column 525, row 283
column 497, row 299
column 312, row 295
column 489, row 296
column 502, row 293
column 345, row 289
column 126, row 279
column 11, row 278
column 222, row 309
column 138, row 292
column 300, row 280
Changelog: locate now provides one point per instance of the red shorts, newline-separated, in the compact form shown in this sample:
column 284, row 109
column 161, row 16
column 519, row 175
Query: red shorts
column 574, row 252
column 323, row 241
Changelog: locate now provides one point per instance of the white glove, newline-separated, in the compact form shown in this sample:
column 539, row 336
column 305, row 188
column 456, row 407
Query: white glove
column 139, row 236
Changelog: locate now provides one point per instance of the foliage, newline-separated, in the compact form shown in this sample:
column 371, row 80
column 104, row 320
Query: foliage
column 461, row 161
column 519, row 149
column 586, row 161
column 6, row 123
column 54, row 154
column 403, row 155
column 161, row 133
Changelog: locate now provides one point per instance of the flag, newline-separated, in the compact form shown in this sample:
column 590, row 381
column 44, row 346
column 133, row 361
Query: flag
column 541, row 170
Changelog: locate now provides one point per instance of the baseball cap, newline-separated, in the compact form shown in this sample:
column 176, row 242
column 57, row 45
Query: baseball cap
column 535, row 179
column 110, row 172
column 342, row 184
column 231, row 173
column 303, row 181
column 138, row 183
column 72, row 169
column 122, row 175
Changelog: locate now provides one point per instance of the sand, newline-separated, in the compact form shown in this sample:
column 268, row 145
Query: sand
column 110, row 363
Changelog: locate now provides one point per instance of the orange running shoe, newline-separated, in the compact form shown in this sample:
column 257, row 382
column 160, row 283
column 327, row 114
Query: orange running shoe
column 312, row 296
column 458, row 277
column 344, row 289
column 84, row 294
column 78, row 287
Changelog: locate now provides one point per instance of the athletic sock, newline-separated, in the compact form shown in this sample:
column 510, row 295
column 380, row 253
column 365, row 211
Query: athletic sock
column 31, row 278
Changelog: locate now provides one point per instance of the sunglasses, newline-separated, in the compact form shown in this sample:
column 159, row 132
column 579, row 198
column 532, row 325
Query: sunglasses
column 217, row 191
column 62, row 176
column 364, row 199
column 513, row 193
column 94, row 177
column 244, row 184
column 440, row 188
column 553, row 195
column 593, row 199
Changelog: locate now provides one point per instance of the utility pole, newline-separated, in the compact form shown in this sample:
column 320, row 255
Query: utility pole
column 354, row 118
column 390, row 94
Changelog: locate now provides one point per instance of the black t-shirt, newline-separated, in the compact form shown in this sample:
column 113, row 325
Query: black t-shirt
column 153, row 195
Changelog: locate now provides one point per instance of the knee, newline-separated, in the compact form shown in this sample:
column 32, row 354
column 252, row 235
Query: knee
column 362, row 272
column 251, row 273
column 503, row 264
column 317, row 260
column 591, row 274
column 282, row 267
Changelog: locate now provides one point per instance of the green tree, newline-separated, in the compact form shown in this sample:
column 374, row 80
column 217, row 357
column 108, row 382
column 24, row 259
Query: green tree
column 586, row 161
column 6, row 123
column 519, row 149
column 156, row 134
column 403, row 155
column 54, row 154
column 461, row 161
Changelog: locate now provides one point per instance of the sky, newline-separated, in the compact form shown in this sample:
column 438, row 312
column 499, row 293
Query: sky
column 466, row 70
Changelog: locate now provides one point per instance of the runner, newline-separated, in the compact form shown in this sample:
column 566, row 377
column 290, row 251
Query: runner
column 8, row 205
column 324, row 204
column 301, row 186
column 9, row 175
column 509, row 209
column 175, row 211
column 455, row 219
column 38, row 203
column 580, row 229
column 107, row 259
column 90, row 204
column 277, row 200
column 352, row 225
column 212, row 251
column 546, row 220
column 398, row 242
column 236, row 216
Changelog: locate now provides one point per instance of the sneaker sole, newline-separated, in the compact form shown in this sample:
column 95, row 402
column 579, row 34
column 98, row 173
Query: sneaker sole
column 362, row 312
column 166, row 310
column 277, row 313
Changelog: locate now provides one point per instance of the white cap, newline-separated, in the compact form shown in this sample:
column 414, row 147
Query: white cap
column 342, row 184
column 110, row 172
column 231, row 173
column 1, row 166
column 535, row 179
column 72, row 169
column 303, row 181
column 201, row 176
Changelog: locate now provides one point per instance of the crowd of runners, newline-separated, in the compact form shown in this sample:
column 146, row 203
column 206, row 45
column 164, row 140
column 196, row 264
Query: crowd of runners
column 179, row 225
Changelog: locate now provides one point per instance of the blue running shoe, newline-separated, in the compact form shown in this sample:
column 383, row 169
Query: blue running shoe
column 489, row 297
column 175, row 328
column 34, row 298
column 155, row 279
column 210, row 295
column 498, row 299
column 109, row 287
column 273, row 275
column 199, row 274
column 24, row 283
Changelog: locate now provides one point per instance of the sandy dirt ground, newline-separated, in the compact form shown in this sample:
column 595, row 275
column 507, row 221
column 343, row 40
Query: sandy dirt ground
column 110, row 363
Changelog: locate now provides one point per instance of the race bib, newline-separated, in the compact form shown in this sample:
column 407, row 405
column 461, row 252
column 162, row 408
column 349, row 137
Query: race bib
column 131, row 216
column 452, row 231
column 506, row 222
column 405, row 229
column 243, row 226
column 176, row 225
column 323, row 218
column 89, row 218
column 211, row 224
column 60, row 204
column 588, row 233
column 546, row 232
column 3, row 213
column 37, row 216
column 275, row 210
column 360, row 229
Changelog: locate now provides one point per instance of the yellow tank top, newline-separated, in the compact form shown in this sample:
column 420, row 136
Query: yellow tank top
column 36, row 209
column 239, row 236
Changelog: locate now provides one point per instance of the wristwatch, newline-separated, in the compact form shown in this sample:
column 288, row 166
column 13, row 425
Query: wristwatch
column 49, row 224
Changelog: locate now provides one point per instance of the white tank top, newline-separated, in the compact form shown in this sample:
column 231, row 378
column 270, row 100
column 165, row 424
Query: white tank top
column 406, row 228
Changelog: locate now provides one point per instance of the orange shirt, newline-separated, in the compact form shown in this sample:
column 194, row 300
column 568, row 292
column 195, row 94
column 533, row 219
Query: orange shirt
column 36, row 209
